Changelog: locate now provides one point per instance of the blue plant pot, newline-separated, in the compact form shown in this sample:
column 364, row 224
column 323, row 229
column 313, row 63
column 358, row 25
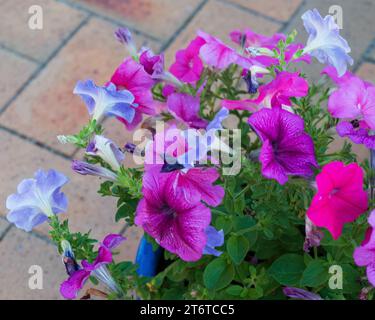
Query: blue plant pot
column 147, row 259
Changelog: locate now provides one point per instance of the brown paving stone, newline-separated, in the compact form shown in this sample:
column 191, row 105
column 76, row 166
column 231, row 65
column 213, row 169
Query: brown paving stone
column 19, row 251
column 219, row 19
column 367, row 71
column 87, row 210
column 278, row 9
column 48, row 107
column 159, row 18
column 59, row 20
column 14, row 72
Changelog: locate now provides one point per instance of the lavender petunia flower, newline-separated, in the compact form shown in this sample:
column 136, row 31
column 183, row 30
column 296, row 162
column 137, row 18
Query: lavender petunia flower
column 107, row 150
column 214, row 239
column 85, row 168
column 216, row 123
column 287, row 149
column 325, row 42
column 297, row 293
column 124, row 36
column 106, row 101
column 37, row 199
column 357, row 134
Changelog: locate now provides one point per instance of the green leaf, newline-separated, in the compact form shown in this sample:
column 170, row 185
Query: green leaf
column 218, row 274
column 287, row 270
column 315, row 274
column 234, row 290
column 237, row 247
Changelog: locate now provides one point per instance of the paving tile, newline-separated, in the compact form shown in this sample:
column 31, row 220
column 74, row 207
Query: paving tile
column 159, row 18
column 358, row 27
column 367, row 71
column 48, row 107
column 219, row 19
column 59, row 20
column 278, row 9
column 14, row 72
column 19, row 251
column 87, row 210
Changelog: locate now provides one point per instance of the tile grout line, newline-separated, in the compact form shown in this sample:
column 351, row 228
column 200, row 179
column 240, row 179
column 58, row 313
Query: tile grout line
column 29, row 80
column 286, row 24
column 35, row 142
column 19, row 54
column 45, row 63
column 254, row 12
column 108, row 19
column 365, row 57
column 181, row 28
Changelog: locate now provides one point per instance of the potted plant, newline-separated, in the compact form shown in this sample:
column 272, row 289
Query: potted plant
column 264, row 210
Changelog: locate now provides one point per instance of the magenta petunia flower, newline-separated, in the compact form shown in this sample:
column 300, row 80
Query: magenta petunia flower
column 340, row 198
column 70, row 287
column 287, row 149
column 177, row 225
column 186, row 108
column 276, row 93
column 364, row 256
column 149, row 60
column 188, row 65
column 132, row 76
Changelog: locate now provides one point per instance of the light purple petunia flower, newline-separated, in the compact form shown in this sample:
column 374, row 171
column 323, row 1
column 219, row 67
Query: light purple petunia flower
column 364, row 255
column 297, row 293
column 356, row 133
column 214, row 239
column 324, row 42
column 216, row 123
column 176, row 224
column 107, row 150
column 106, row 101
column 85, row 168
column 287, row 149
column 70, row 287
column 37, row 199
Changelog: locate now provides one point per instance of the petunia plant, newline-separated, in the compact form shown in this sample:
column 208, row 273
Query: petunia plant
column 236, row 180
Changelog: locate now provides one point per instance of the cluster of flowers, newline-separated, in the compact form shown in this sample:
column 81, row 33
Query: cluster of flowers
column 177, row 196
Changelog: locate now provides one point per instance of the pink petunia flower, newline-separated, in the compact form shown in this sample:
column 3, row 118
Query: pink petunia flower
column 177, row 225
column 218, row 55
column 364, row 256
column 188, row 65
column 340, row 198
column 354, row 99
column 186, row 109
column 256, row 43
column 132, row 76
column 287, row 149
column 173, row 157
column 276, row 93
